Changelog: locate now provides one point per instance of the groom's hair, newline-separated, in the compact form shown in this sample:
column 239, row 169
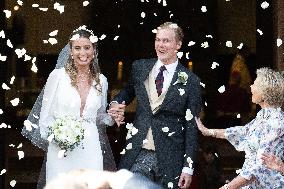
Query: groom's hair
column 170, row 25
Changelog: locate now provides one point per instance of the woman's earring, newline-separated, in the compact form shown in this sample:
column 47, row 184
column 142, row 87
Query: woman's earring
column 72, row 56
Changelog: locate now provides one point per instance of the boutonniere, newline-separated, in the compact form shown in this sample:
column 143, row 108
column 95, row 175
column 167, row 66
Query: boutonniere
column 182, row 78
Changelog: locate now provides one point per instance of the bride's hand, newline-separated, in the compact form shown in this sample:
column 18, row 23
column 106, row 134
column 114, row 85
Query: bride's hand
column 201, row 127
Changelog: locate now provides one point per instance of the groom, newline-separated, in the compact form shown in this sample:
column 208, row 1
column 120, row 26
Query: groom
column 168, row 97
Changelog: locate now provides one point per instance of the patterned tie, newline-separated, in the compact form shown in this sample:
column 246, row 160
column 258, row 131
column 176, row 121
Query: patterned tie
column 160, row 80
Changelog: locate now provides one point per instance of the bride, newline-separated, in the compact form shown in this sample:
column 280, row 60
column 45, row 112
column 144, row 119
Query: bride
column 76, row 88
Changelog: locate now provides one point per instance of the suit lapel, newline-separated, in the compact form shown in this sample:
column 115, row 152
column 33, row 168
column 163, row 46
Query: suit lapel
column 171, row 91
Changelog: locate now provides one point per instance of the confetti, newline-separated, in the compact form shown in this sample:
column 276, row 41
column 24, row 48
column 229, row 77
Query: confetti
column 21, row 154
column 202, row 84
column 15, row 102
column 7, row 13
column 179, row 55
column 9, row 44
column 3, row 58
column 203, row 9
column 191, row 43
column 103, row 37
column 1, row 111
column 170, row 134
column 229, row 44
column 170, row 185
column 143, row 14
column 154, row 31
column 134, row 131
column 279, row 42
column 205, row 45
column 181, row 92
column 86, row 3
column 58, row 7
column 165, row 129
column 5, row 86
column 214, row 65
column 221, row 89
column 34, row 68
column 27, row 57
column 205, row 103
column 240, row 46
column 209, row 36
column 52, row 40
column 188, row 115
column 115, row 38
column 259, row 31
column 20, row 2
column 53, row 33
column 3, row 171
column 264, row 5
column 129, row 146
column 20, row 52
column 2, row 34
column 122, row 152
column 13, row 183
column 35, row 5
column 238, row 115
column 145, row 141
column 3, row 125
column 43, row 9
column 20, row 145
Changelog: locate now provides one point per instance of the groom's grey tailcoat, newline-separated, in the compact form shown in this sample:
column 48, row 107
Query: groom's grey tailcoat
column 173, row 150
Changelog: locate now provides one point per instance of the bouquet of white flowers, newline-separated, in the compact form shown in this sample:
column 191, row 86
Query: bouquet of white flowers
column 66, row 132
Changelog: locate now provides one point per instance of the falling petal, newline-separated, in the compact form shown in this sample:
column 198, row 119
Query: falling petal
column 7, row 13
column 170, row 185
column 53, row 33
column 34, row 68
column 203, row 9
column 85, row 3
column 188, row 115
column 9, row 44
column 164, row 3
column 229, row 44
column 20, row 145
column 134, row 131
column 214, row 65
column 20, row 52
column 129, row 146
column 202, row 84
column 143, row 14
column 240, row 46
column 165, row 129
column 35, row 5
column 154, row 31
column 191, row 43
column 264, row 5
column 21, row 154
column 205, row 103
column 179, row 54
column 3, row 171
column 170, row 134
column 13, row 183
column 116, row 37
column 221, row 89
column 45, row 41
column 181, row 92
column 52, row 40
column 5, row 86
column 145, row 141
column 3, row 125
column 20, row 2
column 15, row 102
column 279, row 42
column 259, row 31
column 28, row 125
column 43, row 9
column 205, row 45
column 1, row 111
column 209, row 36
column 122, row 152
column 27, row 57
column 239, row 116
column 102, row 37
column 2, row 34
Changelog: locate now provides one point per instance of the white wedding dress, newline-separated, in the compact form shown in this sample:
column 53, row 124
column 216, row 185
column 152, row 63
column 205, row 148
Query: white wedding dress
column 61, row 99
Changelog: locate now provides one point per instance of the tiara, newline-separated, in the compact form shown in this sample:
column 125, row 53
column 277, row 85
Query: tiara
column 92, row 37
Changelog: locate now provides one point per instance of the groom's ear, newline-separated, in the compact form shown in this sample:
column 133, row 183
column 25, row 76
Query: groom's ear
column 178, row 45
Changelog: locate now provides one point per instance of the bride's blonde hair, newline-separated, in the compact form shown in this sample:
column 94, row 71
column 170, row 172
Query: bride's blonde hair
column 70, row 67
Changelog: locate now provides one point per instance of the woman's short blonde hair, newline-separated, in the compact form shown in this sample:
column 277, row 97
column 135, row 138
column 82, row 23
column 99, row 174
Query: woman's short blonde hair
column 271, row 86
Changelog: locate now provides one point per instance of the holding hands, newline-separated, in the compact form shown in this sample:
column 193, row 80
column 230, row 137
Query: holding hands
column 116, row 111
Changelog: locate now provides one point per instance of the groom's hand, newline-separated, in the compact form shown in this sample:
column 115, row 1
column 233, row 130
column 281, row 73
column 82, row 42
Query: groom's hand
column 184, row 181
column 116, row 111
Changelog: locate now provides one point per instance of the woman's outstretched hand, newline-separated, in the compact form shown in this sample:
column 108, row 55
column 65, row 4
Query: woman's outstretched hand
column 202, row 128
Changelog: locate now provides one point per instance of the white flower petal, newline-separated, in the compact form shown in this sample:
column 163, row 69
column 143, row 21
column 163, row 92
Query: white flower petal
column 5, row 86
column 53, row 33
column 203, row 9
column 264, row 5
column 209, row 36
column 21, row 154
column 35, row 5
column 143, row 14
column 221, row 89
column 129, row 126
column 115, row 38
column 179, row 55
column 238, row 115
column 129, row 146
column 279, row 42
column 240, row 46
column 9, row 44
column 191, row 43
column 27, row 57
column 2, row 34
column 43, row 9
column 205, row 45
column 122, row 152
column 170, row 185
column 202, row 84
column 13, row 183
column 1, row 111
column 134, row 131
column 3, row 125
column 3, row 58
column 3, row 171
column 86, row 3
column 7, row 13
column 34, row 68
column 15, row 102
column 20, row 52
column 259, row 31
column 20, row 2
column 52, row 40
column 154, row 31
column 170, row 134
column 102, row 37
column 12, row 80
column 214, row 65
column 145, row 141
column 20, row 145
column 188, row 115
column 181, row 92
column 229, row 44
column 165, row 129
column 205, row 103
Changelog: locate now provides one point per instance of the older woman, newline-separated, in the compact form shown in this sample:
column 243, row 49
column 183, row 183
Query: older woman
column 264, row 134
